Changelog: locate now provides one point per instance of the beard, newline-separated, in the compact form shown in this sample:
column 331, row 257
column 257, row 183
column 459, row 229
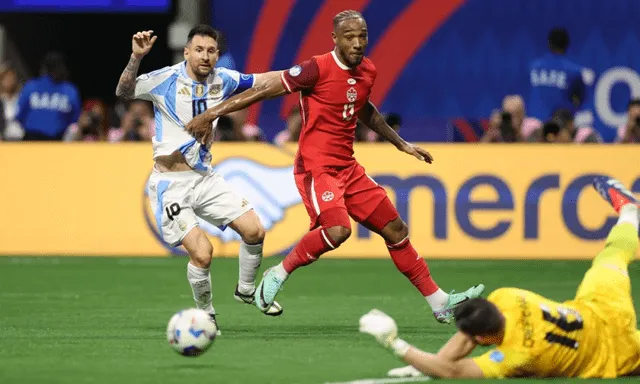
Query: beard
column 198, row 70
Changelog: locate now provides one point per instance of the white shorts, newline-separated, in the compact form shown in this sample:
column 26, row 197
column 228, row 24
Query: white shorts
column 178, row 198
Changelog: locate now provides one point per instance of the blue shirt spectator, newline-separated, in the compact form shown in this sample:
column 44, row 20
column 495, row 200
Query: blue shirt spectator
column 225, row 59
column 48, row 105
column 556, row 82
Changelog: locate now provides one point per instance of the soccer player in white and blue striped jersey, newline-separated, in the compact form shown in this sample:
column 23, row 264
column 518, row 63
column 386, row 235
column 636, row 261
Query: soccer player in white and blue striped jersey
column 183, row 185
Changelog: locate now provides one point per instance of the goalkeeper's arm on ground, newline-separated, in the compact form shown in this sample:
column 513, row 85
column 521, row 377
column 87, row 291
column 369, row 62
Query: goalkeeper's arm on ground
column 450, row 362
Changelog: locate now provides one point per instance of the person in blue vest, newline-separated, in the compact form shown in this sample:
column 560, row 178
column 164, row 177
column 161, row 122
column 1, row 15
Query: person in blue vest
column 49, row 104
column 555, row 81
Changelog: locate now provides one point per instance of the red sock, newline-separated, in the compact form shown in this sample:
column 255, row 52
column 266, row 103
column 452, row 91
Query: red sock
column 310, row 247
column 412, row 266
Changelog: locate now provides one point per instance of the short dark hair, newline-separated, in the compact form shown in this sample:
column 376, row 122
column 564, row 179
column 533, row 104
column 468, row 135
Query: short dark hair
column 562, row 116
column 53, row 64
column 559, row 39
column 345, row 15
column 202, row 30
column 550, row 128
column 478, row 317
column 632, row 103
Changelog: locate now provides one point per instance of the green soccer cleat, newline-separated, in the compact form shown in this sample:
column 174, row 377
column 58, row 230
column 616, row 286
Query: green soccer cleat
column 267, row 290
column 445, row 314
column 275, row 310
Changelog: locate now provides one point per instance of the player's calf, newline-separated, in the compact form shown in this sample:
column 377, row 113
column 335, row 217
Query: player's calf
column 335, row 228
column 385, row 221
column 200, row 253
column 622, row 242
column 395, row 232
column 249, row 227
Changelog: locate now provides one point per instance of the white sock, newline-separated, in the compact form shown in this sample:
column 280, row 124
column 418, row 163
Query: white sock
column 249, row 259
column 280, row 271
column 629, row 214
column 437, row 300
column 200, row 280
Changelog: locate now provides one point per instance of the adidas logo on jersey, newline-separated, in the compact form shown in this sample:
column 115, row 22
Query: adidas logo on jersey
column 184, row 91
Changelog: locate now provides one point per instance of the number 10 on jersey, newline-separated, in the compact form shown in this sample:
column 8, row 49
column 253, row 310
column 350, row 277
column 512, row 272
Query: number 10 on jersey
column 198, row 106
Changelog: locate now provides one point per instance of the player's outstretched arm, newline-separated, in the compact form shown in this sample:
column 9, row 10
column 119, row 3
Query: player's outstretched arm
column 458, row 347
column 448, row 364
column 141, row 44
column 437, row 366
column 373, row 119
column 267, row 85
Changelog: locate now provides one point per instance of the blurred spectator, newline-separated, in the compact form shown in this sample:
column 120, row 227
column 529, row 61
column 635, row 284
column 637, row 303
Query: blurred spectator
column 226, row 130
column 48, row 105
column 9, row 91
column 93, row 124
column 292, row 132
column 556, row 82
column 553, row 132
column 566, row 119
column 225, row 59
column 137, row 123
column 630, row 132
column 252, row 132
column 510, row 124
column 393, row 119
column 245, row 131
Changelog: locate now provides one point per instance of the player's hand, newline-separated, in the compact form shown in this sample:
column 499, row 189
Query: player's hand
column 200, row 127
column 417, row 152
column 381, row 326
column 142, row 42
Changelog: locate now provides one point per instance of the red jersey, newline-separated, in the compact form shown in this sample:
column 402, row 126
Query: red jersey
column 331, row 95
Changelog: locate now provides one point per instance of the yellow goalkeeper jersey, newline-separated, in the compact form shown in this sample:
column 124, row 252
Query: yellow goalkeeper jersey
column 544, row 338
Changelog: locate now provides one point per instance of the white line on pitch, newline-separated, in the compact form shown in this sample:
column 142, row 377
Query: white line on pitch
column 385, row 380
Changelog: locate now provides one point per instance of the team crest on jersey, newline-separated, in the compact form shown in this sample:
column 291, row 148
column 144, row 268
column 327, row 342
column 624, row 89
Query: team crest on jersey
column 352, row 95
column 215, row 89
column 351, row 81
column 496, row 356
column 295, row 70
column 327, row 196
column 199, row 90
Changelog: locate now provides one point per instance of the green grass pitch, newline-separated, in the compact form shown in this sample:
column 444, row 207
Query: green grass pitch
column 103, row 320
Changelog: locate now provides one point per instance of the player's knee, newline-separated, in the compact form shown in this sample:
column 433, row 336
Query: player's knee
column 199, row 248
column 254, row 235
column 395, row 231
column 336, row 224
column 201, row 258
column 339, row 234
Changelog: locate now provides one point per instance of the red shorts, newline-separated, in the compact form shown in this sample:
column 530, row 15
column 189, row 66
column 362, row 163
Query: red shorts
column 349, row 188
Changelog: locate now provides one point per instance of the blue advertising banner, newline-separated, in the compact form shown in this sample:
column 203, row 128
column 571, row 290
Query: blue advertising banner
column 442, row 60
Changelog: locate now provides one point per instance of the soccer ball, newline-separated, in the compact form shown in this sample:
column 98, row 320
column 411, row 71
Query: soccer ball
column 191, row 332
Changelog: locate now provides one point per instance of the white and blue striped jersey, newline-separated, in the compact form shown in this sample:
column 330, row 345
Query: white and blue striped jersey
column 177, row 99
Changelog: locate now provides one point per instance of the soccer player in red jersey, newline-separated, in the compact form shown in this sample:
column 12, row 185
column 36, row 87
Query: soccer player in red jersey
column 334, row 92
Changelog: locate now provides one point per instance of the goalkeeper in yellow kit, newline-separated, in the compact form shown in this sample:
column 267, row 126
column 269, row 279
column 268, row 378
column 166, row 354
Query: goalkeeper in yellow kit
column 593, row 335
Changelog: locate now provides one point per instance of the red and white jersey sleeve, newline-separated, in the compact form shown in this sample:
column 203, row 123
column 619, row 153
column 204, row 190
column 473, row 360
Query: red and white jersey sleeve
column 303, row 76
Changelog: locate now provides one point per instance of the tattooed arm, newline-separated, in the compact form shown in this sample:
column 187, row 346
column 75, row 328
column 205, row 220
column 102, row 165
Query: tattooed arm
column 127, row 84
column 141, row 44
